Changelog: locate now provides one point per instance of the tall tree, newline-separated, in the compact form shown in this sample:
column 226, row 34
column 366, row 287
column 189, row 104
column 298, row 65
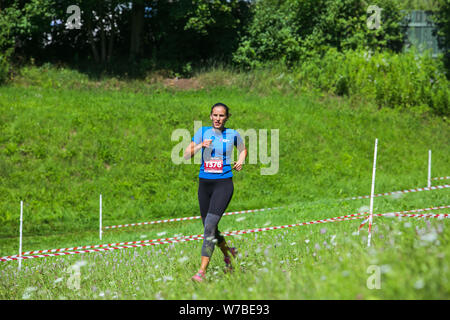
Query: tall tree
column 442, row 18
column 102, row 24
column 137, row 25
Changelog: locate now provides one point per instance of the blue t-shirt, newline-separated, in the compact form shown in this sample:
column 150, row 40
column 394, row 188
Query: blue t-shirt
column 221, row 147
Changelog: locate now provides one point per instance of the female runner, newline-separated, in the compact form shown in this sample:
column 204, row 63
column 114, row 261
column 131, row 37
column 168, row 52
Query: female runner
column 215, row 180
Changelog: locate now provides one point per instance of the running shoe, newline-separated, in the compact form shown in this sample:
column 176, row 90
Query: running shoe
column 199, row 276
column 228, row 265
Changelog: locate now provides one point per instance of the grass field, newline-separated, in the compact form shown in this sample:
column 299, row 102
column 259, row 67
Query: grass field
column 62, row 145
column 322, row 261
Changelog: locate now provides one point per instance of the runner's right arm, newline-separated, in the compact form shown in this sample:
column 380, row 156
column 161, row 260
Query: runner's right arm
column 193, row 148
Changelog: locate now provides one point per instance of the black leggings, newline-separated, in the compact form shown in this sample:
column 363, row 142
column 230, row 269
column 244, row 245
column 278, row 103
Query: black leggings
column 214, row 195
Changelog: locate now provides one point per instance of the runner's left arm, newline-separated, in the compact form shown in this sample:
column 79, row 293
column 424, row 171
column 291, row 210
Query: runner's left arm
column 242, row 155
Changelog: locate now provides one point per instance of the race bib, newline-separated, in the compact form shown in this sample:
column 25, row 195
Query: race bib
column 214, row 165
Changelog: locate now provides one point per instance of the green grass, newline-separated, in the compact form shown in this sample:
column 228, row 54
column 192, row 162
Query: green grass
column 63, row 142
column 322, row 261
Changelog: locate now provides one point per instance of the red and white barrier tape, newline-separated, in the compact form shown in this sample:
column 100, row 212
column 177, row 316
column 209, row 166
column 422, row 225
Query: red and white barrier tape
column 143, row 243
column 189, row 238
column 138, row 241
column 441, row 178
column 354, row 217
column 96, row 250
column 186, row 218
column 427, row 215
column 275, row 208
column 405, row 214
column 101, row 245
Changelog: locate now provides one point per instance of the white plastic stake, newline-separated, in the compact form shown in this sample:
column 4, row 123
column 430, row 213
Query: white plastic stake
column 429, row 168
column 372, row 193
column 20, row 237
column 100, row 230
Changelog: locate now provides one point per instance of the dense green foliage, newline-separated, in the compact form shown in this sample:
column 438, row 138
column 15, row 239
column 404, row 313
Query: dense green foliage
column 142, row 35
column 22, row 24
column 442, row 18
column 428, row 5
column 119, row 37
column 4, row 67
column 406, row 81
column 291, row 30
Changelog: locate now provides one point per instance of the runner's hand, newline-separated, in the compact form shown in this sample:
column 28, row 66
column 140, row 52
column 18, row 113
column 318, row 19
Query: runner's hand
column 237, row 166
column 206, row 143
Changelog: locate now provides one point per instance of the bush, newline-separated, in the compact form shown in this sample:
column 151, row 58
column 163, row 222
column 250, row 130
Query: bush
column 405, row 81
column 292, row 30
column 276, row 30
column 4, row 67
column 442, row 19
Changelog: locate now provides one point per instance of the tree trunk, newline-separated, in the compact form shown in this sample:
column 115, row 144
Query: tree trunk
column 111, row 43
column 137, row 24
column 91, row 39
column 103, row 43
